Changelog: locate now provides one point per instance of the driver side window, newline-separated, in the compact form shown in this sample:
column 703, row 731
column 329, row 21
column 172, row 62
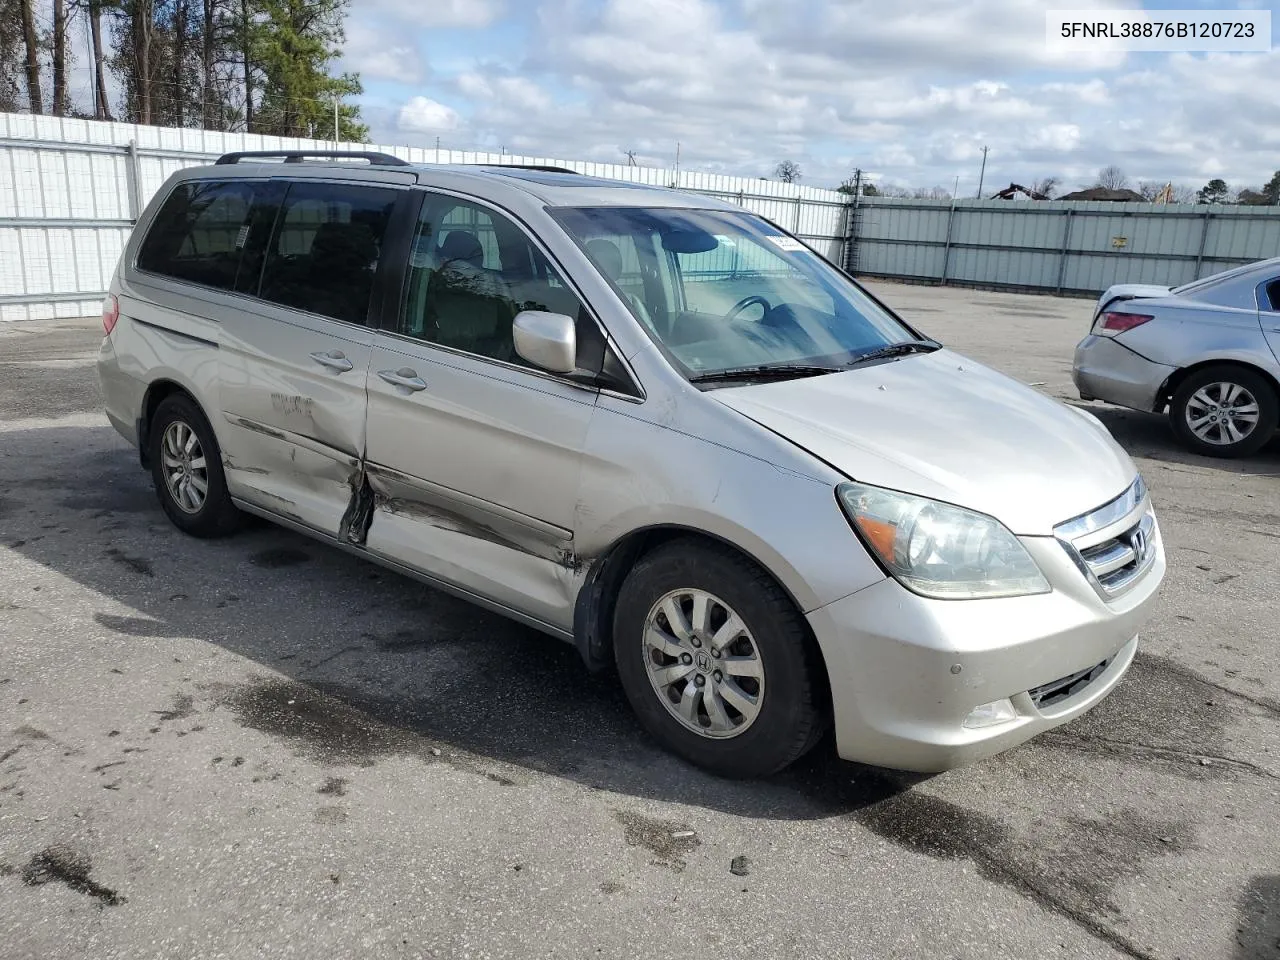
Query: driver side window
column 471, row 270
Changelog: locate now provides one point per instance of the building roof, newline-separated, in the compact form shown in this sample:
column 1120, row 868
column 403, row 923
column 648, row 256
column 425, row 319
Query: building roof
column 1122, row 195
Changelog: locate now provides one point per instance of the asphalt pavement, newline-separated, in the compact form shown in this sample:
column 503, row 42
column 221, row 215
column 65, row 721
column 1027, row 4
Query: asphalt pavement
column 262, row 747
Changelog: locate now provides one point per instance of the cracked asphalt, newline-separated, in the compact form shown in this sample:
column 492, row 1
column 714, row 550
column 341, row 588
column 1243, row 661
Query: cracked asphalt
column 261, row 747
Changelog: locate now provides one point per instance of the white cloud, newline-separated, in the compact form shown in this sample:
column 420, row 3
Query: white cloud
column 379, row 52
column 516, row 93
column 424, row 115
column 912, row 91
column 1063, row 137
column 442, row 13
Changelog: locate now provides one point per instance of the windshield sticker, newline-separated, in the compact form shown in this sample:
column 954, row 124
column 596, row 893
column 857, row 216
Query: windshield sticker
column 787, row 243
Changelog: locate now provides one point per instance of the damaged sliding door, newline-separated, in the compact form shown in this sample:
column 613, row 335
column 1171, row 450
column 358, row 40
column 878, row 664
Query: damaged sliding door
column 294, row 362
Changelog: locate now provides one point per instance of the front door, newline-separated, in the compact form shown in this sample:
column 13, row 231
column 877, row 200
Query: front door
column 294, row 363
column 473, row 456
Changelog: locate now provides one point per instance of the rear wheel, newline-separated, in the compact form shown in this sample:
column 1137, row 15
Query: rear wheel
column 186, row 466
column 716, row 660
column 1224, row 411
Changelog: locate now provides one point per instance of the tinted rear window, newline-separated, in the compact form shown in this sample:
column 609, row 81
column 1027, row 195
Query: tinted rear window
column 200, row 232
column 324, row 253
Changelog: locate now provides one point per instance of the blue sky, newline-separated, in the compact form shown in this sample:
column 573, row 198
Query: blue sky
column 909, row 91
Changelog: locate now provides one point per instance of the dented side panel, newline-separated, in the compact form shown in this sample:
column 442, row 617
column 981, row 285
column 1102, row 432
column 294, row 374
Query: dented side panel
column 475, row 478
column 296, row 427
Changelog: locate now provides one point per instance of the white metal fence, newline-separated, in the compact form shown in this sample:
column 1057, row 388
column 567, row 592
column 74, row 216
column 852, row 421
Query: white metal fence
column 1056, row 247
column 71, row 189
column 74, row 188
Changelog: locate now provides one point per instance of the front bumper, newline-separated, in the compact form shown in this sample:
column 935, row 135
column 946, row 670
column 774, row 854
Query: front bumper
column 1105, row 369
column 906, row 671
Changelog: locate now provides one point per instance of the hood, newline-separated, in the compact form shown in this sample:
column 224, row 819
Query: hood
column 942, row 426
column 1129, row 291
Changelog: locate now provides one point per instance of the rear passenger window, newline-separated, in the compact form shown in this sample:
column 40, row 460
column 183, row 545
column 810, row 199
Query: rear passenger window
column 471, row 271
column 1273, row 293
column 200, row 232
column 324, row 253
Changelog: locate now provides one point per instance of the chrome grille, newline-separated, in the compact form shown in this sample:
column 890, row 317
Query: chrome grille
column 1114, row 545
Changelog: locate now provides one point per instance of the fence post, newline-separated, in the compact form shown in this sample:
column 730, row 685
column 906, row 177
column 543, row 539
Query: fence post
column 132, row 185
column 850, row 259
column 1204, row 235
column 799, row 204
column 946, row 250
column 1066, row 247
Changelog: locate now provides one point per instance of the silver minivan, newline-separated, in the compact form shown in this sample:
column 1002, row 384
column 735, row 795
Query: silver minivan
column 651, row 424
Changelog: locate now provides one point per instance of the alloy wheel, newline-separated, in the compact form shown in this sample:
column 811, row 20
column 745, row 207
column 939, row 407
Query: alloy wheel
column 1222, row 413
column 185, row 469
column 703, row 663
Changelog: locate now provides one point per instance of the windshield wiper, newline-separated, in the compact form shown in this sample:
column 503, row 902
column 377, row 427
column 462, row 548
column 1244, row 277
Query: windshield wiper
column 777, row 371
column 896, row 350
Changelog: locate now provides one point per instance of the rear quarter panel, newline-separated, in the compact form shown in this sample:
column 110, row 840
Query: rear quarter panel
column 1184, row 334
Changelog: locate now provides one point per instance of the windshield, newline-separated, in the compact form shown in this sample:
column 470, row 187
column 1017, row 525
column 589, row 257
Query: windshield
column 723, row 291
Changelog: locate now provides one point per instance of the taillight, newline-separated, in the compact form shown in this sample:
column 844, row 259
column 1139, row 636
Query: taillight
column 1118, row 322
column 110, row 313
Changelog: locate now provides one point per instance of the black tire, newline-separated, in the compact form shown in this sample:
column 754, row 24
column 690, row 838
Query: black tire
column 794, row 705
column 1263, row 392
column 216, row 516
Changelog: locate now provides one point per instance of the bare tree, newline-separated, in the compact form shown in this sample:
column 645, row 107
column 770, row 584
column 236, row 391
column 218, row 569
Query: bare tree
column 101, row 109
column 31, row 40
column 59, row 58
column 892, row 190
column 788, row 171
column 1112, row 177
column 1046, row 186
column 179, row 57
column 1151, row 190
column 931, row 193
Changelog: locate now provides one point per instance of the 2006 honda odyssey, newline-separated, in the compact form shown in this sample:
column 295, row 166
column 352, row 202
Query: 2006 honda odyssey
column 649, row 423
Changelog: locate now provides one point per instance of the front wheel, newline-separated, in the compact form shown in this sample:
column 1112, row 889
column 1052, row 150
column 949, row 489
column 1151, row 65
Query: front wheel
column 1224, row 411
column 717, row 662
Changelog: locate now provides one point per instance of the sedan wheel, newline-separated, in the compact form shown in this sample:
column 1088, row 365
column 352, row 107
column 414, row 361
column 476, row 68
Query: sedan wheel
column 1224, row 411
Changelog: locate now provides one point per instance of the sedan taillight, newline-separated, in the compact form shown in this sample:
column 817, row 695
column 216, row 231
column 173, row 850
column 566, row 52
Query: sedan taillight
column 1116, row 322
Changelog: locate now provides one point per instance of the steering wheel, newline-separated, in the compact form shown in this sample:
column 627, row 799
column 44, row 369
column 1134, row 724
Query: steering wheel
column 745, row 302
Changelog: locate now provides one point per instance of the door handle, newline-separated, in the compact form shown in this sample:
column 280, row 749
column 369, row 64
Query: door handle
column 404, row 377
column 334, row 360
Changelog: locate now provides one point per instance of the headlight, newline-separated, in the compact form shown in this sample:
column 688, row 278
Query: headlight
column 939, row 550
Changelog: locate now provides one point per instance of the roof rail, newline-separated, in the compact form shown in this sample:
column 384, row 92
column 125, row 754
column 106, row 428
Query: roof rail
column 297, row 156
column 530, row 166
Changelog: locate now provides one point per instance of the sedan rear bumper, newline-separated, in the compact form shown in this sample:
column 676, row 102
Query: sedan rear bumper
column 1105, row 369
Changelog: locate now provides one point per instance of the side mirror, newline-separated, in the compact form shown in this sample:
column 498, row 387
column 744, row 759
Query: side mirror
column 547, row 340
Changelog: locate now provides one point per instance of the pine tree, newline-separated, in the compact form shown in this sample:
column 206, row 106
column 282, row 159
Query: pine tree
column 294, row 44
